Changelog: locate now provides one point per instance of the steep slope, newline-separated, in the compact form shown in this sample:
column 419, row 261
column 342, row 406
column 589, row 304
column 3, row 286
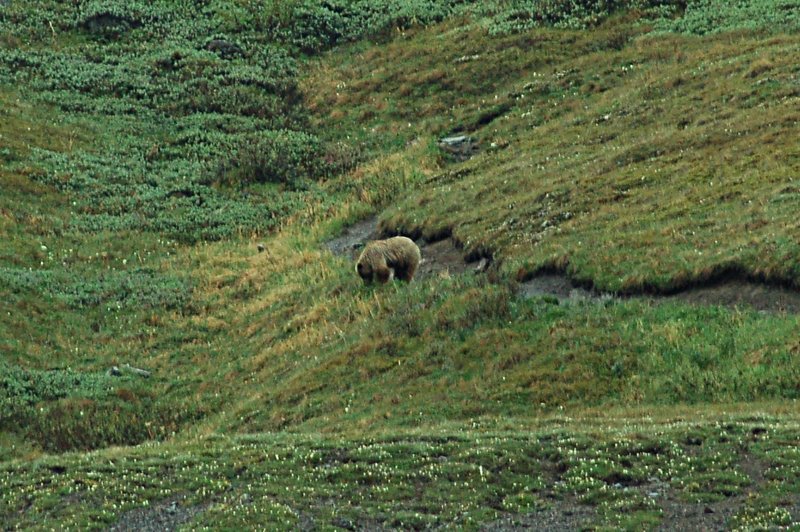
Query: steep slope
column 632, row 161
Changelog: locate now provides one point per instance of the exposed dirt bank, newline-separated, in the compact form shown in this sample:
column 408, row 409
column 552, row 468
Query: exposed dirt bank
column 446, row 257
column 741, row 293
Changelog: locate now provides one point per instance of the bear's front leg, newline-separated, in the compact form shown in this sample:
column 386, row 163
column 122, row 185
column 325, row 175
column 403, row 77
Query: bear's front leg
column 383, row 275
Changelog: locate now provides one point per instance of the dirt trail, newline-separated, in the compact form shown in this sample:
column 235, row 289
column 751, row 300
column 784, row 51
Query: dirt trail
column 161, row 516
column 445, row 257
column 561, row 517
column 350, row 242
column 728, row 293
column 558, row 286
column 740, row 293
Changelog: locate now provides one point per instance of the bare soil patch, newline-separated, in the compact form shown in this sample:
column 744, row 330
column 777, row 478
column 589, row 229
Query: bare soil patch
column 561, row 517
column 443, row 258
column 697, row 516
column 162, row 516
column 558, row 286
column 733, row 293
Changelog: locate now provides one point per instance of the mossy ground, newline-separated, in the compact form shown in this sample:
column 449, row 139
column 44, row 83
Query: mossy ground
column 284, row 392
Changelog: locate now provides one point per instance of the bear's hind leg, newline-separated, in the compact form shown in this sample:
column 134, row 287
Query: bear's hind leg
column 406, row 273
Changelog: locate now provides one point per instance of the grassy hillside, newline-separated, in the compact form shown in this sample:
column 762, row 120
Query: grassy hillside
column 629, row 160
column 638, row 147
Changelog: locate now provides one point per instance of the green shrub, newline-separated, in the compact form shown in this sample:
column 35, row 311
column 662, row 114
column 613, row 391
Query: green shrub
column 22, row 388
column 573, row 14
column 64, row 410
column 314, row 26
column 714, row 16
column 83, row 424
column 137, row 288
column 168, row 111
column 287, row 157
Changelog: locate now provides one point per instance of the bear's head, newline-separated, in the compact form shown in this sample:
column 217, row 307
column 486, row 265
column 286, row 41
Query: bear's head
column 364, row 271
column 367, row 272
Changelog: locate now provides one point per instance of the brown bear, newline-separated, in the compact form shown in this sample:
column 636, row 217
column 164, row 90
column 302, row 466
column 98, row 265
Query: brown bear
column 381, row 257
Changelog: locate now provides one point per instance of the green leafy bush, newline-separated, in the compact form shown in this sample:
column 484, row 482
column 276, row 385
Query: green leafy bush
column 714, row 16
column 314, row 26
column 170, row 110
column 83, row 424
column 138, row 288
column 573, row 14
column 288, row 157
column 22, row 387
column 64, row 410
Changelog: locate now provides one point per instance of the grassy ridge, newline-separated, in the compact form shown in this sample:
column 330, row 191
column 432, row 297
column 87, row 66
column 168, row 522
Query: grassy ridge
column 632, row 169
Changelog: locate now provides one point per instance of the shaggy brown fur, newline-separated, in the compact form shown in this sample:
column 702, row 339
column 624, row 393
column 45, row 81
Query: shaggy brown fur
column 381, row 257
